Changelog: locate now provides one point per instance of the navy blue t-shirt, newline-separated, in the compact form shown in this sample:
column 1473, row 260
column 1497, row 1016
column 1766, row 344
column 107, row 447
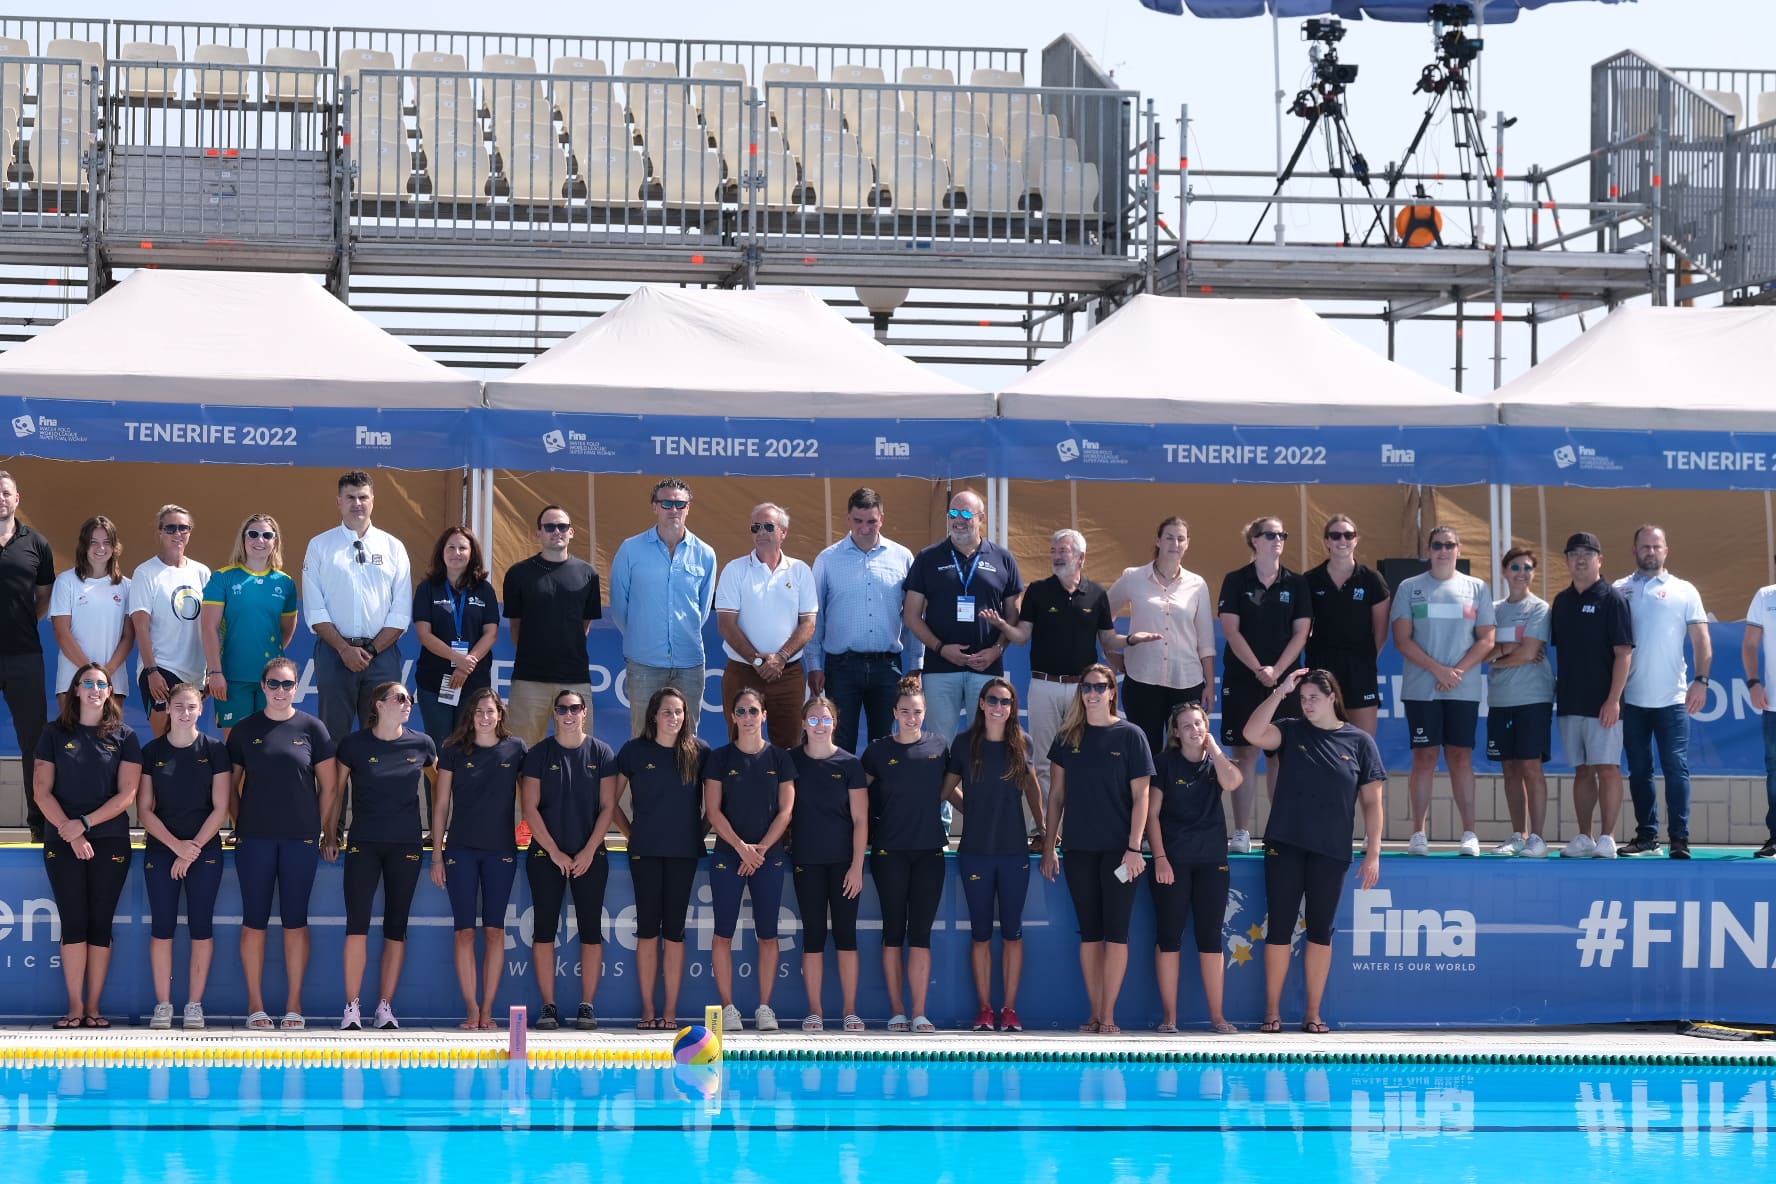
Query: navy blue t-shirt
column 1192, row 819
column 668, row 810
column 383, row 783
column 569, row 780
column 1099, row 804
column 437, row 604
column 992, row 803
column 821, row 827
column 483, row 789
column 279, row 796
column 940, row 573
column 750, row 783
column 1319, row 772
column 86, row 771
column 182, row 779
column 906, row 793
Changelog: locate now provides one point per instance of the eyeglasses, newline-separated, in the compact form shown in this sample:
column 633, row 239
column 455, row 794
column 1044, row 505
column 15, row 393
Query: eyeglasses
column 570, row 708
column 819, row 721
column 360, row 556
column 1444, row 546
column 676, row 503
column 1095, row 688
column 1521, row 567
column 767, row 527
column 998, row 701
column 280, row 684
column 1341, row 536
column 404, row 700
column 556, row 527
column 965, row 515
column 94, row 684
column 267, row 535
column 175, row 528
column 1275, row 536
column 749, row 711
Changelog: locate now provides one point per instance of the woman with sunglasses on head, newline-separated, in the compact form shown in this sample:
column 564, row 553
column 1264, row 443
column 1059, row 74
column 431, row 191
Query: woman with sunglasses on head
column 1520, row 704
column 85, row 775
column 383, row 770
column 474, row 854
column 89, row 608
column 249, row 616
column 990, row 779
column 749, row 799
column 1187, row 833
column 285, row 783
column 183, row 805
column 663, row 771
column 1326, row 767
column 906, row 775
column 1099, row 771
column 569, row 791
column 1265, row 615
column 830, row 834
column 1350, row 621
column 456, row 620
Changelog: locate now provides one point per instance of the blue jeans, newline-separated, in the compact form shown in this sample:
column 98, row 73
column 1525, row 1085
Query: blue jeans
column 438, row 719
column 1769, row 720
column 859, row 685
column 948, row 696
column 1670, row 728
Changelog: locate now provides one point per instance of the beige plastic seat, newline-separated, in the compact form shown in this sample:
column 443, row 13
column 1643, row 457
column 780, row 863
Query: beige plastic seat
column 377, row 96
column 991, row 184
column 385, row 162
column 950, row 127
column 527, row 118
column 568, row 89
column 614, row 177
column 857, row 74
column 1022, row 128
column 353, row 60
column 458, row 168
column 804, row 115
column 15, row 47
column 735, row 149
column 891, row 146
column 55, row 160
column 595, row 128
column 149, row 83
column 1766, row 106
column 875, row 124
column 1034, row 153
column 1069, row 189
column 819, row 143
column 222, row 86
column 1002, row 108
column 690, row 180
column 964, row 146
column 722, row 101
column 842, row 184
column 926, row 106
column 12, row 74
column 920, row 184
column 853, row 104
column 988, row 76
column 719, row 71
column 507, row 63
column 789, row 86
column 446, row 109
column 787, row 72
column 437, row 59
column 927, row 76
column 649, row 68
column 536, row 174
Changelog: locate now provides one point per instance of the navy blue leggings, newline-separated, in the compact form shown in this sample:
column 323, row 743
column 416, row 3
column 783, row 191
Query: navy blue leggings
column 820, row 892
column 472, row 875
column 202, row 882
column 990, row 878
column 766, row 885
column 287, row 865
column 909, row 885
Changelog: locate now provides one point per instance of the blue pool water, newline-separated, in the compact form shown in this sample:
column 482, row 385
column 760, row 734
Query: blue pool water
column 835, row 1123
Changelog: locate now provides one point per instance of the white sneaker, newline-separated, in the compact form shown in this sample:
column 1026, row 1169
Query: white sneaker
column 1606, row 847
column 351, row 1021
column 731, row 1019
column 162, row 1019
column 385, row 1015
column 1579, row 847
column 765, row 1018
column 194, row 1016
column 1470, row 844
column 1240, row 843
column 1418, row 844
column 1511, row 846
column 1534, row 848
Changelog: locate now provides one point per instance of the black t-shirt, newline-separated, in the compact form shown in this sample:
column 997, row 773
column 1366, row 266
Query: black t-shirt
column 86, row 771
column 668, row 810
column 552, row 602
column 940, row 573
column 992, row 803
column 437, row 604
column 182, row 779
column 570, row 781
column 1192, row 820
column 26, row 564
column 279, row 794
column 1100, row 806
column 821, row 827
column 1267, row 617
column 483, row 788
column 906, row 793
column 1318, row 775
column 384, row 784
column 1343, row 623
column 750, row 784
column 1585, row 627
column 1064, row 625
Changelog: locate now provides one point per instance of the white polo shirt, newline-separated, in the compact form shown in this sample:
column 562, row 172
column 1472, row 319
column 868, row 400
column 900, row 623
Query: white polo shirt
column 769, row 602
column 1664, row 608
column 1762, row 613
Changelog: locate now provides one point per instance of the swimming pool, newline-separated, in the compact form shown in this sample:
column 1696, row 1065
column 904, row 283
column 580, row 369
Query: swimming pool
column 789, row 1121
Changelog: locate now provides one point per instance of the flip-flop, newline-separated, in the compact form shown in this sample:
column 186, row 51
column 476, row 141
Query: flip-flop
column 668, row 1023
column 1167, row 1029
column 1091, row 1027
column 95, row 1021
column 1271, row 1027
column 1314, row 1027
column 69, row 1021
column 487, row 1026
column 260, row 1022
column 647, row 1024
column 1109, row 1030
column 1223, row 1029
column 473, row 1025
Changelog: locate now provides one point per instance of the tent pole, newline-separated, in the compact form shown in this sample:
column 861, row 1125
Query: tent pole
column 1542, row 535
column 591, row 520
column 1492, row 522
column 1276, row 72
column 487, row 520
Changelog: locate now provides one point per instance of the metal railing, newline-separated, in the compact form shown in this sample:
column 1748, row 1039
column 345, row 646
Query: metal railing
column 1753, row 220
column 49, row 142
column 1750, row 95
column 186, row 38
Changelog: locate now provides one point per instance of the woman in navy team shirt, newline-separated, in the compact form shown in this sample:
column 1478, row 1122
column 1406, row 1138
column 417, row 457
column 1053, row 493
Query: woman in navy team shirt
column 749, row 796
column 183, row 805
column 474, row 852
column 663, row 769
column 830, row 833
column 990, row 780
column 456, row 621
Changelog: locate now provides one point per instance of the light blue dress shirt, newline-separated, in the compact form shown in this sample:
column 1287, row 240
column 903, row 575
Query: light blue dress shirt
column 860, row 599
column 661, row 599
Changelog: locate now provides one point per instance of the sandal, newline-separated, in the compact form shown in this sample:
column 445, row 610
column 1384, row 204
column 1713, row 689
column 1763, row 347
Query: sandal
column 647, row 1024
column 1091, row 1027
column 668, row 1023
column 853, row 1023
column 487, row 1026
column 1271, row 1027
column 1109, row 1030
column 259, row 1022
column 897, row 1023
column 293, row 1022
column 1314, row 1027
column 813, row 1023
column 921, row 1024
column 69, row 1021
column 1223, row 1028
column 1167, row 1029
column 95, row 1021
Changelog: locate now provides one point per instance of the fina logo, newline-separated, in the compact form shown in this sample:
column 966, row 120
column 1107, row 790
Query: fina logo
column 1067, row 450
column 1565, row 456
column 554, row 441
column 1398, row 456
column 1410, row 933
column 887, row 449
column 23, row 425
column 370, row 438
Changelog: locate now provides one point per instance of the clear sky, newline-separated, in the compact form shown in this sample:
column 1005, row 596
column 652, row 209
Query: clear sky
column 1536, row 70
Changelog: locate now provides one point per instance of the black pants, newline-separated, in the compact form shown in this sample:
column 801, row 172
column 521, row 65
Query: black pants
column 859, row 685
column 1102, row 902
column 820, row 893
column 1148, row 707
column 1293, row 874
column 909, row 885
column 21, row 681
column 548, row 891
column 396, row 867
column 1197, row 894
column 86, row 891
column 662, row 895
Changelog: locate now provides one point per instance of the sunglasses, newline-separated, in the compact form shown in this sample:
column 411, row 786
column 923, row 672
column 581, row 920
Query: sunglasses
column 175, row 528
column 267, row 535
column 998, row 701
column 404, row 700
column 749, row 711
column 1522, row 567
column 280, row 684
column 676, row 503
column 819, row 721
column 1275, row 536
column 556, row 527
column 965, row 515
column 570, row 708
column 359, row 556
column 1444, row 546
column 94, row 684
column 1341, row 536
column 767, row 527
column 1095, row 688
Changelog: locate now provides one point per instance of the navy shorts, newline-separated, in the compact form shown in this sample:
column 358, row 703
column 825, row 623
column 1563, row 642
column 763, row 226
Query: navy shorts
column 1520, row 733
column 1442, row 723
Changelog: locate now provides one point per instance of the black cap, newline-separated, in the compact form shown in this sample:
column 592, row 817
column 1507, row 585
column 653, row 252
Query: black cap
column 1583, row 541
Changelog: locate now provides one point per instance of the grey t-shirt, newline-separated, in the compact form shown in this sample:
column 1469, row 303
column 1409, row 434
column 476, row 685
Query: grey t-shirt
column 1519, row 686
column 1444, row 615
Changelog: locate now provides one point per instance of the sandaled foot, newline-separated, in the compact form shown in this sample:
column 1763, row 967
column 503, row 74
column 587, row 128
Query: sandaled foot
column 1223, row 1028
column 1091, row 1027
column 897, row 1023
column 853, row 1023
column 472, row 1024
column 1271, row 1026
column 1109, row 1030
column 259, row 1022
column 293, row 1022
column 69, row 1021
column 813, row 1023
column 1167, row 1029
column 647, row 1023
column 487, row 1025
column 1314, row 1027
column 95, row 1021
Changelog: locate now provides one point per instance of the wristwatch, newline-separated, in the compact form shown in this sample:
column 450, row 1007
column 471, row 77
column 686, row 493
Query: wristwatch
column 759, row 660
column 1703, row 680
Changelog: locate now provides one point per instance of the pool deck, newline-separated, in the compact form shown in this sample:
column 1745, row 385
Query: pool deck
column 442, row 1045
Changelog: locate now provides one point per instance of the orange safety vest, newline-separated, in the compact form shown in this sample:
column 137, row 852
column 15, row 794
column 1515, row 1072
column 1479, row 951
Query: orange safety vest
column 1419, row 226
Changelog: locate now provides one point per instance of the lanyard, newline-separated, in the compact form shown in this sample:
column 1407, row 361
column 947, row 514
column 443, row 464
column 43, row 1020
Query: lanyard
column 973, row 562
column 458, row 599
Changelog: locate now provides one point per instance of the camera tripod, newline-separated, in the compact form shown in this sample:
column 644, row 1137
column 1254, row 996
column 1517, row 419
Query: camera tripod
column 1446, row 80
column 1321, row 103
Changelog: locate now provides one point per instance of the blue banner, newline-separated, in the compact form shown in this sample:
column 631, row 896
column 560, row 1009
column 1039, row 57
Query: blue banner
column 1438, row 942
column 1633, row 460
column 1221, row 454
column 180, row 433
column 701, row 446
